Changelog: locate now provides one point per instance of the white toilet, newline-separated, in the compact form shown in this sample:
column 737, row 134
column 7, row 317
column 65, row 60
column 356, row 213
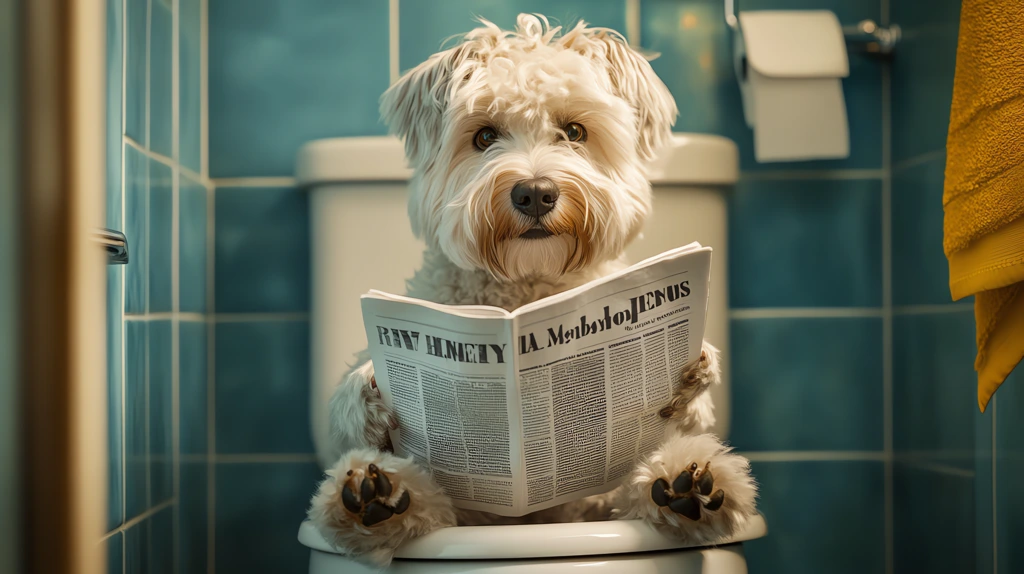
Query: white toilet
column 361, row 240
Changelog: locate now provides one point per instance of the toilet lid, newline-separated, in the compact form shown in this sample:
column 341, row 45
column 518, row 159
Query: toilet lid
column 538, row 540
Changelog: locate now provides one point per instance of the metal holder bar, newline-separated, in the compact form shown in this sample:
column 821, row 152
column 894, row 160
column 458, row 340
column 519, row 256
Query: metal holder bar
column 866, row 37
column 114, row 243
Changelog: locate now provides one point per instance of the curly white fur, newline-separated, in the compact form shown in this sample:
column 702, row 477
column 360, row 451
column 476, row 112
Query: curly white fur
column 526, row 85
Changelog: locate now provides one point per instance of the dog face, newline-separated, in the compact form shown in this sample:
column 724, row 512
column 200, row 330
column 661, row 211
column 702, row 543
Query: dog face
column 529, row 147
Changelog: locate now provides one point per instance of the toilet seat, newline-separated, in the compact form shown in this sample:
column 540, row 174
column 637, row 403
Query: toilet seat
column 538, row 541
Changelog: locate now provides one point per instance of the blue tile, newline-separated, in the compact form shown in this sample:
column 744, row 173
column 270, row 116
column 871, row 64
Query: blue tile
column 259, row 506
column 984, row 428
column 192, row 523
column 1009, row 449
column 115, row 430
column 161, row 207
column 283, row 73
column 838, row 528
column 161, row 398
column 262, row 400
column 189, row 105
column 114, row 69
column 115, row 553
column 922, row 76
column 262, row 250
column 920, row 273
column 933, row 520
column 192, row 246
column 425, row 26
column 161, row 88
column 136, row 463
column 136, row 549
column 136, row 20
column 192, row 387
column 806, row 244
column 136, row 229
column 807, row 384
column 161, row 542
column 934, row 386
column 696, row 65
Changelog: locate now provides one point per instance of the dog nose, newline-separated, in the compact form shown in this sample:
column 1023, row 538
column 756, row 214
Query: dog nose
column 535, row 197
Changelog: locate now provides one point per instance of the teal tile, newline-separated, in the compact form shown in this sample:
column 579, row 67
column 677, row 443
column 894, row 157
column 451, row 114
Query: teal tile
column 807, row 384
column 115, row 429
column 189, row 81
column 934, row 386
column 192, row 246
column 193, row 518
column 135, row 423
column 262, row 250
column 823, row 516
column 984, row 531
column 161, row 398
column 114, row 71
column 1009, row 452
column 933, row 520
column 695, row 62
column 192, row 387
column 137, row 23
column 284, row 73
column 161, row 208
column 805, row 243
column 920, row 271
column 262, row 374
column 161, row 88
column 149, row 545
column 922, row 76
column 259, row 507
column 136, row 549
column 136, row 229
column 424, row 26
column 115, row 553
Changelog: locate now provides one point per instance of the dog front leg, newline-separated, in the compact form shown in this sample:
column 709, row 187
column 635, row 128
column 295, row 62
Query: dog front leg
column 358, row 416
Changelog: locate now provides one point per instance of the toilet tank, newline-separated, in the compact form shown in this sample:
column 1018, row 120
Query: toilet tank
column 361, row 240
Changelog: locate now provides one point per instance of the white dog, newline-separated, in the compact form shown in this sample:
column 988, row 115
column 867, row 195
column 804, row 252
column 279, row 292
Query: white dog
column 528, row 149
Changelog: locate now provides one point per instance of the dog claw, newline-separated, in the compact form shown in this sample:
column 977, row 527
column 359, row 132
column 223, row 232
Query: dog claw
column 659, row 492
column 381, row 482
column 403, row 503
column 706, row 481
column 687, row 506
column 376, row 512
column 683, row 483
column 350, row 500
column 367, row 490
column 717, row 499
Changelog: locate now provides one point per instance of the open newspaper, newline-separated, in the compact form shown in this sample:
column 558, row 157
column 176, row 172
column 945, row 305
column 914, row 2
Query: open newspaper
column 514, row 412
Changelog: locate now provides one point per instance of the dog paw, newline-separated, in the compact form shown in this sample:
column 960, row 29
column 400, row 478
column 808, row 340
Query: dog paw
column 366, row 494
column 692, row 490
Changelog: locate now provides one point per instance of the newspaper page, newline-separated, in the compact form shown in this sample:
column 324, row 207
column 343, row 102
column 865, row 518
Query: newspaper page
column 517, row 412
column 594, row 370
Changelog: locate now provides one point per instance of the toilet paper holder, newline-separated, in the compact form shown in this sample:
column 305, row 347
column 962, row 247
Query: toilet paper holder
column 864, row 37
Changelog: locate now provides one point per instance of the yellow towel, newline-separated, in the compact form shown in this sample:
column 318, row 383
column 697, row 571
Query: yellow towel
column 984, row 189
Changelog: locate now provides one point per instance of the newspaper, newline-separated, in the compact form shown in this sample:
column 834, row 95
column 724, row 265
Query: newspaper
column 514, row 412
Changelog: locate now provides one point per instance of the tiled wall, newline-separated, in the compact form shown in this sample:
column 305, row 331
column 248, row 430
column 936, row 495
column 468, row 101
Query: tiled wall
column 158, row 195
column 945, row 449
column 9, row 456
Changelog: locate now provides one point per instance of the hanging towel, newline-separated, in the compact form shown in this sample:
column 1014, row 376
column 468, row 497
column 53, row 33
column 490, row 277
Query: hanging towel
column 984, row 188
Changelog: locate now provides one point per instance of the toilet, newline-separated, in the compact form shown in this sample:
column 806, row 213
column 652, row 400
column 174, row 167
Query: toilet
column 361, row 240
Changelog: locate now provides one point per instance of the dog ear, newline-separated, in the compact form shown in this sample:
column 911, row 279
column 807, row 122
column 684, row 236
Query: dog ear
column 413, row 107
column 635, row 81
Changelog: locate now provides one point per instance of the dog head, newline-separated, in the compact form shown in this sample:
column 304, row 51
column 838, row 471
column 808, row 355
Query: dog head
column 529, row 147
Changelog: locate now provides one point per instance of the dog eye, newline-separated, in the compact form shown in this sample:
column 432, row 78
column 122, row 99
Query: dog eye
column 485, row 138
column 576, row 132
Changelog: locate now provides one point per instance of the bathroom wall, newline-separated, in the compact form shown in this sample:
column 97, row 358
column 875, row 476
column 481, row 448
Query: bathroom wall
column 157, row 194
column 945, row 449
column 812, row 273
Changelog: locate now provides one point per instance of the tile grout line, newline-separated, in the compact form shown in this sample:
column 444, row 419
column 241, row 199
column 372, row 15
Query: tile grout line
column 887, row 317
column 169, row 316
column 919, row 159
column 176, row 542
column 165, row 160
column 804, row 312
column 149, row 30
column 270, row 181
column 257, row 317
column 211, row 333
column 633, row 23
column 204, row 102
column 802, row 456
column 804, row 175
column 124, row 280
column 393, row 39
column 939, row 309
